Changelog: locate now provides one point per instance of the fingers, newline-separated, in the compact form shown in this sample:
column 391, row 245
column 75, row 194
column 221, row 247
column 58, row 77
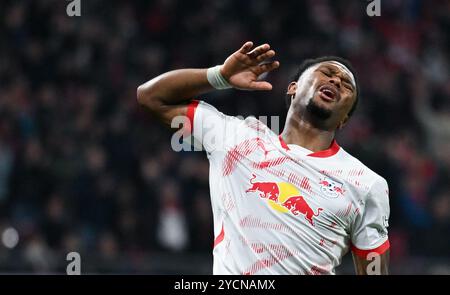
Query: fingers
column 246, row 47
column 260, row 85
column 258, row 50
column 257, row 62
column 266, row 55
column 259, row 53
column 264, row 68
column 267, row 67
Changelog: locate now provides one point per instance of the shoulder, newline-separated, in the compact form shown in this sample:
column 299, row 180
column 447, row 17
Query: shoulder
column 361, row 176
column 207, row 111
column 223, row 132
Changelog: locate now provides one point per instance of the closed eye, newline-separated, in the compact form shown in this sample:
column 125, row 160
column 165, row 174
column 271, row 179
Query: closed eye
column 346, row 82
column 328, row 74
column 348, row 86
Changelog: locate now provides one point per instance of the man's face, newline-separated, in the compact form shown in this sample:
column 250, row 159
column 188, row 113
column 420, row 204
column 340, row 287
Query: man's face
column 325, row 92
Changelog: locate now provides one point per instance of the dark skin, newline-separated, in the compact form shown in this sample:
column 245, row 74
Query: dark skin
column 305, row 129
column 168, row 95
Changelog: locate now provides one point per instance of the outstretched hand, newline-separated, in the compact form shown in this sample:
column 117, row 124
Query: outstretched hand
column 243, row 67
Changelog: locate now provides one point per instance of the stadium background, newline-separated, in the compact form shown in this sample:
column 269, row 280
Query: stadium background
column 83, row 168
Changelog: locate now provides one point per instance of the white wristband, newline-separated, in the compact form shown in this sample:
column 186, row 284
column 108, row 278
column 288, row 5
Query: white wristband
column 216, row 79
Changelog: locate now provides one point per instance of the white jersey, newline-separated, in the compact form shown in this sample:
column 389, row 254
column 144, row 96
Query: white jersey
column 281, row 209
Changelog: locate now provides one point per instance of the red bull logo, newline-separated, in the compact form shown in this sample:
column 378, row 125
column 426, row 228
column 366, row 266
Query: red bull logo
column 331, row 188
column 265, row 189
column 297, row 205
column 283, row 197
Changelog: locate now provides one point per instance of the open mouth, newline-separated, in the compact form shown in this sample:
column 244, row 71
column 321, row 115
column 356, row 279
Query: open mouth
column 328, row 93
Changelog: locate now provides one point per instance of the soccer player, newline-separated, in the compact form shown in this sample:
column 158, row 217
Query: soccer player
column 293, row 203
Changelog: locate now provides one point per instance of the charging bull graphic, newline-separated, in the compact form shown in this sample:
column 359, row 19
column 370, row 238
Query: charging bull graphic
column 298, row 205
column 284, row 197
column 266, row 189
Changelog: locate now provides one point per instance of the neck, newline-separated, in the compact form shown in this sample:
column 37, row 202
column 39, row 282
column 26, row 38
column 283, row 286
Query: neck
column 301, row 132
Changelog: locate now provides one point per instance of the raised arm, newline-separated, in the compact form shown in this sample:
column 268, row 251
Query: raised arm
column 168, row 95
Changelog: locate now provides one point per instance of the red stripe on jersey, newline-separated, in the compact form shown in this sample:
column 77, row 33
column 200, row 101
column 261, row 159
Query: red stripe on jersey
column 219, row 238
column 283, row 144
column 380, row 250
column 191, row 112
column 332, row 150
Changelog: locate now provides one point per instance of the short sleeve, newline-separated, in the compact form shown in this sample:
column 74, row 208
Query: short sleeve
column 369, row 231
column 209, row 127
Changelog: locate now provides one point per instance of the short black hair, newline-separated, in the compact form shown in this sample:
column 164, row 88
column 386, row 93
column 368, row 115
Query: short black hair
column 313, row 61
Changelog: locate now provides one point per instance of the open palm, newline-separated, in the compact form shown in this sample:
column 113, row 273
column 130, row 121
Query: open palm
column 243, row 67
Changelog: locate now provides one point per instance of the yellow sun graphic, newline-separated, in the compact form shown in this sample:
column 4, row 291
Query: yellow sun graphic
column 287, row 190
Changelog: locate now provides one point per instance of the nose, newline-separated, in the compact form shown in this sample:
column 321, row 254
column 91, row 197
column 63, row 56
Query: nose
column 336, row 81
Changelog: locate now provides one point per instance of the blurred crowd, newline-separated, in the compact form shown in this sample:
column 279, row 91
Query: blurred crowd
column 83, row 168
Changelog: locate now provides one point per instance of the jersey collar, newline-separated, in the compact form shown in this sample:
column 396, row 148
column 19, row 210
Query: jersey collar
column 331, row 151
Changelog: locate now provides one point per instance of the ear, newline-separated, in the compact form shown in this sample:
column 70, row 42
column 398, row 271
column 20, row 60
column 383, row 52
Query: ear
column 292, row 88
column 343, row 122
